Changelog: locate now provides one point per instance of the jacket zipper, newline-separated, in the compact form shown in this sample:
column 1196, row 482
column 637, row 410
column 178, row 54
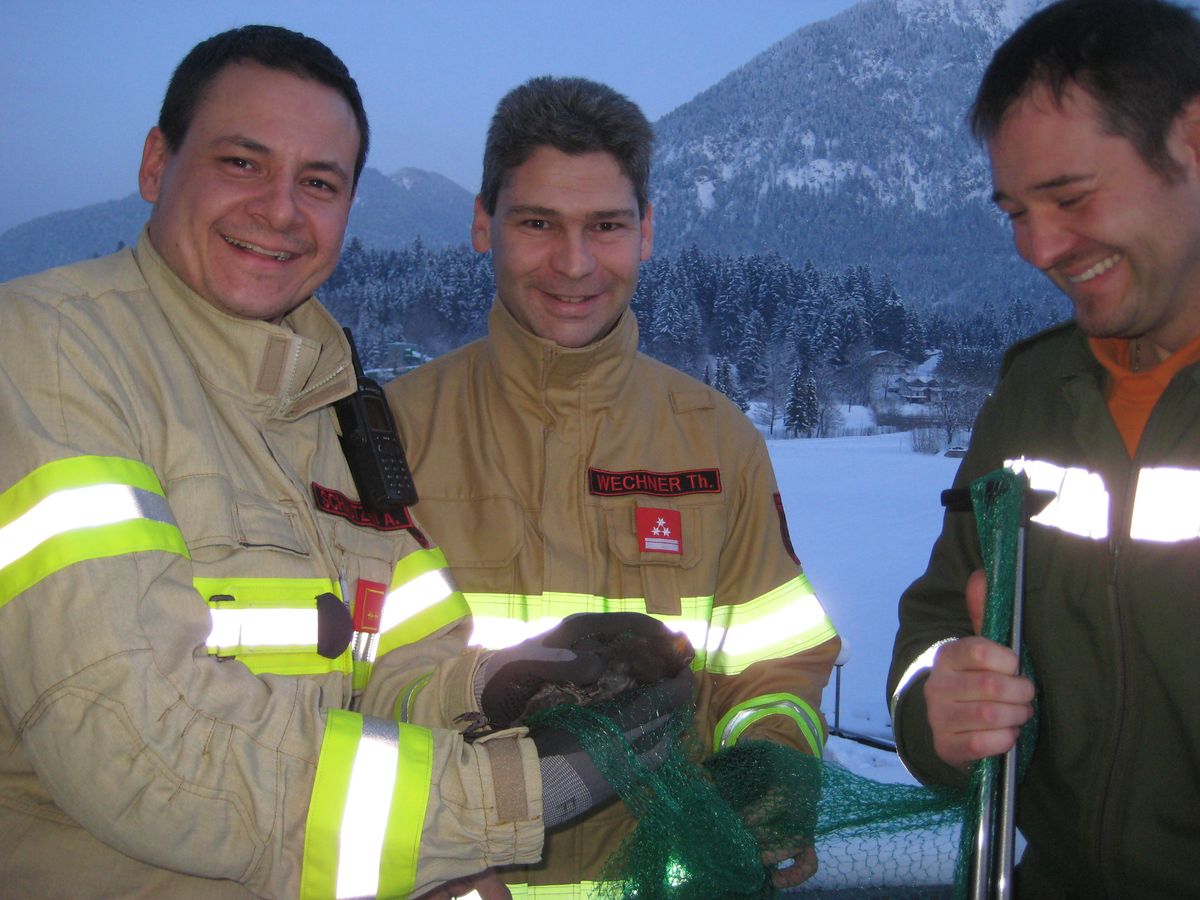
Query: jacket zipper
column 1118, row 541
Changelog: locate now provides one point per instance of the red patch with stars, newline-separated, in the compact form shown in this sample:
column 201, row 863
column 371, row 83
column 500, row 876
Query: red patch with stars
column 659, row 530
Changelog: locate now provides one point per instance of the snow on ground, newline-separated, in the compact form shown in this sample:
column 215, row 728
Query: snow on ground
column 863, row 513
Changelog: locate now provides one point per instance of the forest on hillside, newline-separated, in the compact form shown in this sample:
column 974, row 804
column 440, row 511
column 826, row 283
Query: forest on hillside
column 758, row 327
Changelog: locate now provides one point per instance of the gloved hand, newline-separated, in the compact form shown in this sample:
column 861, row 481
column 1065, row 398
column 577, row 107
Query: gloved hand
column 571, row 783
column 509, row 678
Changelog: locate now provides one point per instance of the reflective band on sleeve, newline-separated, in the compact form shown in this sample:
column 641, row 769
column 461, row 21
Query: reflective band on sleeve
column 364, row 820
column 403, row 707
column 922, row 663
column 1080, row 506
column 787, row 620
column 421, row 600
column 1167, row 506
column 745, row 714
column 72, row 510
column 504, row 620
column 239, row 630
column 367, row 810
column 270, row 624
column 584, row 890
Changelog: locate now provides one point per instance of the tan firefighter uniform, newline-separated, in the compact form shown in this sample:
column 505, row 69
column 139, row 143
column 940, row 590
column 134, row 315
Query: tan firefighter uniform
column 597, row 479
column 173, row 501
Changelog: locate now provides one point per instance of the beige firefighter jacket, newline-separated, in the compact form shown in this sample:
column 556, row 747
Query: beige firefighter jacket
column 544, row 472
column 134, row 762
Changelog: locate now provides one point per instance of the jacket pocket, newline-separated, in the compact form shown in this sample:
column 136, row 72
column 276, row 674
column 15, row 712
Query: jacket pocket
column 651, row 565
column 481, row 537
column 217, row 519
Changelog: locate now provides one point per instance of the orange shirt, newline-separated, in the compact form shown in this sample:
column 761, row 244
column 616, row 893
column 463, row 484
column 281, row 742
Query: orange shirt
column 1132, row 395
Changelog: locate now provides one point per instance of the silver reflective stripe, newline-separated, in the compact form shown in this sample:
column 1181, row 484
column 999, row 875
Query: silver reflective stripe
column 496, row 633
column 799, row 616
column 262, row 628
column 415, row 597
column 922, row 663
column 73, row 508
column 368, row 804
column 408, row 600
column 732, row 726
column 1167, row 506
column 1081, row 504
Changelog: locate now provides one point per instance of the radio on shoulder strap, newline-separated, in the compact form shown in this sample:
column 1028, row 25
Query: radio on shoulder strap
column 372, row 444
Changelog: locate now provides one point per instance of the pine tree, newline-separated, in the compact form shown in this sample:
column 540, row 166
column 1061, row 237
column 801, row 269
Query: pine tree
column 751, row 353
column 803, row 409
column 726, row 382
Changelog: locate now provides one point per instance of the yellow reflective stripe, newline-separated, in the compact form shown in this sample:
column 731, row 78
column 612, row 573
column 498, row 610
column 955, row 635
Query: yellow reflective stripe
column 406, row 821
column 73, row 510
column 1167, row 506
column 504, row 620
column 367, row 809
column 270, row 624
column 403, row 707
column 422, row 599
column 365, row 817
column 77, row 471
column 584, row 890
column 728, row 639
column 786, row 620
column 318, row 874
column 734, row 723
column 361, row 674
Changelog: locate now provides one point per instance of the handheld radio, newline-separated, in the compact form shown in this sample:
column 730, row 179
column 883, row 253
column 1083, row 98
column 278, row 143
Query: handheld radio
column 372, row 444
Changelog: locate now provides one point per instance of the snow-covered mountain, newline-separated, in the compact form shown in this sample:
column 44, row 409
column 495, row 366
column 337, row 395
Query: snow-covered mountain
column 387, row 213
column 845, row 143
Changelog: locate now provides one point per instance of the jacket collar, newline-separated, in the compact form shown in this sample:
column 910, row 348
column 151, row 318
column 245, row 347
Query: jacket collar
column 554, row 375
column 288, row 370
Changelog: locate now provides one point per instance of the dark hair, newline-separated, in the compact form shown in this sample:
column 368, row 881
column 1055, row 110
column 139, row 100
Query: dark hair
column 1138, row 59
column 573, row 115
column 266, row 45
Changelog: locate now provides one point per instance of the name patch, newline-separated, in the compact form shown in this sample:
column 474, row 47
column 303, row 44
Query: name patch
column 656, row 484
column 338, row 504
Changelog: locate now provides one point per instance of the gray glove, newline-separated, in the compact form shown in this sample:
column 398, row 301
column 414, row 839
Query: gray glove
column 571, row 783
column 567, row 653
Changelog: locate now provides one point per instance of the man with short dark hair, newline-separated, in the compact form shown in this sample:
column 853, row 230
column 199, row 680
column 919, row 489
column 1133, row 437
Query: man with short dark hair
column 222, row 670
column 563, row 471
column 1091, row 115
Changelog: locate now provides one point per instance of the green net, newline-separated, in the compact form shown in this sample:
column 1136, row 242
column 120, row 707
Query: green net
column 715, row 827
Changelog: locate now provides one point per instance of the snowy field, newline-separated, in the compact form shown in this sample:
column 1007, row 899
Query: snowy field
column 863, row 513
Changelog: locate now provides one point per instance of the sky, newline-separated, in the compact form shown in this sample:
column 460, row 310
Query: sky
column 81, row 82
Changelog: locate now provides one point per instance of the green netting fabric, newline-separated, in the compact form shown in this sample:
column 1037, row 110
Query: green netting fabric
column 706, row 828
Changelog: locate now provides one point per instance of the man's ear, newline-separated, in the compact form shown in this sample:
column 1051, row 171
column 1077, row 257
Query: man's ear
column 648, row 232
column 481, row 227
column 154, row 163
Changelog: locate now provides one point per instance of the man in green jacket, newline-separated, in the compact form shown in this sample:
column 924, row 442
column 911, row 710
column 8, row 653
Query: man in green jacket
column 1091, row 116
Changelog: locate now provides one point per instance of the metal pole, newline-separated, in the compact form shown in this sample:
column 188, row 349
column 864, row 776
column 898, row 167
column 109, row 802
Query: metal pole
column 1006, row 846
column 837, row 699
